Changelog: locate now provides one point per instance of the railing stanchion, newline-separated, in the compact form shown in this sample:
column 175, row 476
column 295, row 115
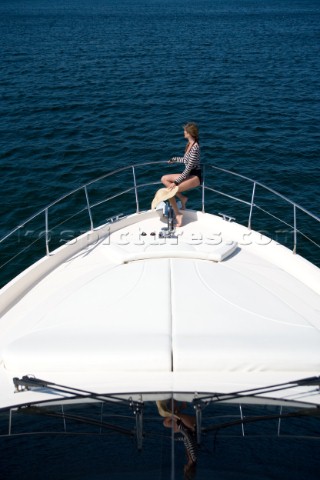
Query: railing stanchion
column 10, row 421
column 251, row 205
column 203, row 179
column 135, row 189
column 294, row 229
column 47, row 230
column 88, row 206
column 279, row 421
column 241, row 415
column 46, row 234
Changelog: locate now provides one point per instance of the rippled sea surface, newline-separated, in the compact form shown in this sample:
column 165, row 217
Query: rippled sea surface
column 90, row 86
column 87, row 87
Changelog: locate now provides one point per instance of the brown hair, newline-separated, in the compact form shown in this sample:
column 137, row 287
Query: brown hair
column 192, row 129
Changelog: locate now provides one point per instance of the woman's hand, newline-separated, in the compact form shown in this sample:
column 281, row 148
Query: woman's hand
column 173, row 185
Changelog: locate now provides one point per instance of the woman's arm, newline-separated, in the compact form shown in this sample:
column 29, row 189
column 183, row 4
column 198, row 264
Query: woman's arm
column 177, row 160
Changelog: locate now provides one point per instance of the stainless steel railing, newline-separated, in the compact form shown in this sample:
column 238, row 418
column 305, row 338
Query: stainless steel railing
column 252, row 203
column 136, row 188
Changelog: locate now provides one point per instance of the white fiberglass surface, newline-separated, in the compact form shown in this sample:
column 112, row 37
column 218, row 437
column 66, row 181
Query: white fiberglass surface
column 243, row 314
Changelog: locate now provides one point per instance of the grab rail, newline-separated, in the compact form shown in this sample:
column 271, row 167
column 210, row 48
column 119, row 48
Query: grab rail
column 252, row 205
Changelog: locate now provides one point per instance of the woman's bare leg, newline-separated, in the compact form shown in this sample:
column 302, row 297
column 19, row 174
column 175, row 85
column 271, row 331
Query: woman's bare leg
column 167, row 180
column 183, row 199
column 177, row 212
column 191, row 182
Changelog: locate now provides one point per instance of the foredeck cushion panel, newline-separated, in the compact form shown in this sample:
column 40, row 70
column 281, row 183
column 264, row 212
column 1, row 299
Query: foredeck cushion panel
column 168, row 315
column 85, row 351
column 217, row 328
column 217, row 254
column 120, row 321
column 230, row 353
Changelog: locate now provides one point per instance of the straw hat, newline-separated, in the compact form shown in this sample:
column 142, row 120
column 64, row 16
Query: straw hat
column 163, row 194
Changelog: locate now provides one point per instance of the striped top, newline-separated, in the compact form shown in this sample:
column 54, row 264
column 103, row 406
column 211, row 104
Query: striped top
column 191, row 160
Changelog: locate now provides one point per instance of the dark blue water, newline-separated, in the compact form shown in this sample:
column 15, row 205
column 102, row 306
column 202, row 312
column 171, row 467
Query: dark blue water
column 90, row 86
column 87, row 87
column 76, row 448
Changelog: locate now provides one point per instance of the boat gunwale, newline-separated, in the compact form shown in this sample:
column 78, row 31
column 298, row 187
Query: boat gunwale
column 135, row 187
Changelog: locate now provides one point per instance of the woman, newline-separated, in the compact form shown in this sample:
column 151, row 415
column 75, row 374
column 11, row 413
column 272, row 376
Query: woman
column 185, row 425
column 191, row 176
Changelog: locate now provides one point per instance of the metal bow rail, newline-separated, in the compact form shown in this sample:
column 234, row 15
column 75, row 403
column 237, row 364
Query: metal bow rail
column 137, row 188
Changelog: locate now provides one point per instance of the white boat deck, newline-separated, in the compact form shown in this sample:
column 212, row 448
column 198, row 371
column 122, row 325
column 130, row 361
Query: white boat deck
column 216, row 308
